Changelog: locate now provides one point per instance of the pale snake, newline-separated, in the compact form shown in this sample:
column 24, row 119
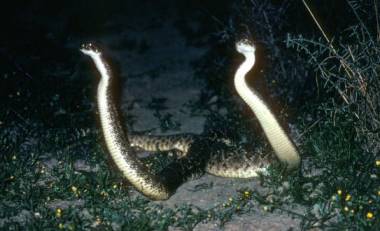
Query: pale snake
column 200, row 153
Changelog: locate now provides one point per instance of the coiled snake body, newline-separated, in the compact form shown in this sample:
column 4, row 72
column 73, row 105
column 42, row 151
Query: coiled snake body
column 200, row 153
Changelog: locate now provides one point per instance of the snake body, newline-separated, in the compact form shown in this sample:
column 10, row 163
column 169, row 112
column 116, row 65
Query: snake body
column 115, row 136
column 199, row 154
column 180, row 143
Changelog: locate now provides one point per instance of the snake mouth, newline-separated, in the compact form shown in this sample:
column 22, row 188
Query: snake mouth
column 90, row 49
column 245, row 46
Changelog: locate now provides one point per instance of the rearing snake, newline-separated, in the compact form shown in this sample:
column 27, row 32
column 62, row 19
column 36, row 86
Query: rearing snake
column 201, row 154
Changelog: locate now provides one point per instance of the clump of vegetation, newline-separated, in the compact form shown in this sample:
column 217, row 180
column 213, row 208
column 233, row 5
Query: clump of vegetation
column 344, row 144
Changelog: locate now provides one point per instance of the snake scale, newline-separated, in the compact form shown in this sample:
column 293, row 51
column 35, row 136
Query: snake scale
column 199, row 153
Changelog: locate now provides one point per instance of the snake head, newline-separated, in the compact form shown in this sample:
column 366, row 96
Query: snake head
column 90, row 49
column 245, row 46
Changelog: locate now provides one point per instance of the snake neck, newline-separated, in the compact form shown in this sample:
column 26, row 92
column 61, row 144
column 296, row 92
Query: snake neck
column 116, row 139
column 112, row 129
column 277, row 137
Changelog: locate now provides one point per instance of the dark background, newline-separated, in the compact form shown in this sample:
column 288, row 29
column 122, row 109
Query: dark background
column 39, row 58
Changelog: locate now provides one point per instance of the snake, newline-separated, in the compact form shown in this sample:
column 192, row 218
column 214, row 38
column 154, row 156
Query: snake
column 200, row 154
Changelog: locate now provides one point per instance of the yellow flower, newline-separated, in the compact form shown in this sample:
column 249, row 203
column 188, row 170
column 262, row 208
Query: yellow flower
column 377, row 163
column 247, row 194
column 98, row 221
column 378, row 193
column 104, row 193
column 370, row 215
column 61, row 226
column 348, row 197
column 339, row 192
column 114, row 186
column 58, row 212
column 346, row 209
column 74, row 189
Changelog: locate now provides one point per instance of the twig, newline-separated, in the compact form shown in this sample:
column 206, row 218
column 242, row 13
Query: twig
column 342, row 61
column 309, row 128
column 377, row 20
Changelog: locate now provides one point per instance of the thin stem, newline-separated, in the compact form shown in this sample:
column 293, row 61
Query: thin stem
column 345, row 66
column 377, row 20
